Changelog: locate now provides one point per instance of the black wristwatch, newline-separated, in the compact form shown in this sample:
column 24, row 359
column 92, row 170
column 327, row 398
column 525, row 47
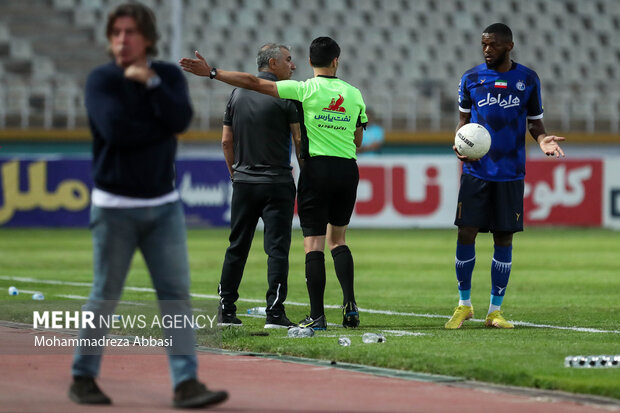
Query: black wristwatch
column 212, row 73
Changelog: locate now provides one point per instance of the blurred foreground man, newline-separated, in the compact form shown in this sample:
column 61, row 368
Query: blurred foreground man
column 135, row 107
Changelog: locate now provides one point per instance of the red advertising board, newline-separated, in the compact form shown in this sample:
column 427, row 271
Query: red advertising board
column 563, row 192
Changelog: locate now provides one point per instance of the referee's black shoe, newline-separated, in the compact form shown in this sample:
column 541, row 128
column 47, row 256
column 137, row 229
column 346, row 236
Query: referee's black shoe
column 84, row 390
column 350, row 316
column 318, row 323
column 278, row 320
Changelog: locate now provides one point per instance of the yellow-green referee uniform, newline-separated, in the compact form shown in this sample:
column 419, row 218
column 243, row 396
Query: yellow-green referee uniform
column 327, row 188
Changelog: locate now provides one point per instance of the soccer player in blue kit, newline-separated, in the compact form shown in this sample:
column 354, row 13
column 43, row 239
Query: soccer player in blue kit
column 504, row 97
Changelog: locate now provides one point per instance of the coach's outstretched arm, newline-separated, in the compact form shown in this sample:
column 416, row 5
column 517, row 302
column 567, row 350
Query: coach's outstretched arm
column 200, row 67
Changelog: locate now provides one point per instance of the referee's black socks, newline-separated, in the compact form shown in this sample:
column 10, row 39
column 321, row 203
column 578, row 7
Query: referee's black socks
column 343, row 264
column 315, row 281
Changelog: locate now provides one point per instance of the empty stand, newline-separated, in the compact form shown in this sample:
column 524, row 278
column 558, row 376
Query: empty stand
column 407, row 56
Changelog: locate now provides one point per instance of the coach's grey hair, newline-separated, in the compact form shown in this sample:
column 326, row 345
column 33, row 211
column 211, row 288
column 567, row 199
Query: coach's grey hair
column 268, row 51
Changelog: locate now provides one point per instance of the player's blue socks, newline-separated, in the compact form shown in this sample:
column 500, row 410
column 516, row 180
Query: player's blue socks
column 500, row 272
column 464, row 265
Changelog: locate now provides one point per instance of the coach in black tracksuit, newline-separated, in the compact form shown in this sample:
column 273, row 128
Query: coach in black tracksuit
column 256, row 140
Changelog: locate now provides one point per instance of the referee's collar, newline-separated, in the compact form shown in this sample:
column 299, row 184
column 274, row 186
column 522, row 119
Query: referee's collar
column 329, row 77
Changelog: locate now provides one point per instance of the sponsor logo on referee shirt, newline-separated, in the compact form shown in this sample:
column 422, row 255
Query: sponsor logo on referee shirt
column 336, row 105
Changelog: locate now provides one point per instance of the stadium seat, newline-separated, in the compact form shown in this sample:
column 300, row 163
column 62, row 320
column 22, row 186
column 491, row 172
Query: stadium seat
column 68, row 101
column 2, row 102
column 435, row 41
column 17, row 102
column 40, row 98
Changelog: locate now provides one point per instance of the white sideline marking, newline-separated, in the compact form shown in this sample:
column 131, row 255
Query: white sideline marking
column 364, row 310
column 389, row 333
column 29, row 291
column 400, row 333
column 72, row 296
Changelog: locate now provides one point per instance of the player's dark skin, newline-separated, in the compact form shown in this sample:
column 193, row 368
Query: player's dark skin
column 496, row 51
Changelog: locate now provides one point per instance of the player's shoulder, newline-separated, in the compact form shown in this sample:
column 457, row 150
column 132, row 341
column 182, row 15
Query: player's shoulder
column 474, row 72
column 476, row 69
column 526, row 70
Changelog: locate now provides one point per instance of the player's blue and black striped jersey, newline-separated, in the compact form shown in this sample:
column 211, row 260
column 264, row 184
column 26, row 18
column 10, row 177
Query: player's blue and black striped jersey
column 501, row 102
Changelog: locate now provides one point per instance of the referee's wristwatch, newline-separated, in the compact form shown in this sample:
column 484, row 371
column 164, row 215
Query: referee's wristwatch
column 212, row 73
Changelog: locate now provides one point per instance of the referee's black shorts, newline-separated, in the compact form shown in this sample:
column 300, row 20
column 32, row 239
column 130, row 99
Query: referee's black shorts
column 326, row 193
column 489, row 205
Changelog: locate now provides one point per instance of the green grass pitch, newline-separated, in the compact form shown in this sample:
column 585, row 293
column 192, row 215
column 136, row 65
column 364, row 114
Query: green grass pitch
column 560, row 278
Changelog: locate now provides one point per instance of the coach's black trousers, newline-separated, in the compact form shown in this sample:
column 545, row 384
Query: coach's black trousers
column 274, row 203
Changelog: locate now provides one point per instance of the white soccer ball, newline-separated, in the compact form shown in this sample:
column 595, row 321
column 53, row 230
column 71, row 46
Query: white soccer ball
column 472, row 140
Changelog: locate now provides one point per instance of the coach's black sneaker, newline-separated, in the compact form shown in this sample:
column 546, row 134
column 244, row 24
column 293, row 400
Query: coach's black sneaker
column 227, row 319
column 192, row 393
column 84, row 390
column 350, row 316
column 278, row 320
column 318, row 323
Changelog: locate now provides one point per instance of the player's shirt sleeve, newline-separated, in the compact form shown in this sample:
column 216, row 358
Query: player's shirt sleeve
column 291, row 89
column 534, row 104
column 228, row 114
column 464, row 97
column 362, row 119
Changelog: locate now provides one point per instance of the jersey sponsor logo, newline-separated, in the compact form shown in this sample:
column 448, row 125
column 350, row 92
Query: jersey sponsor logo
column 509, row 102
column 336, row 105
column 502, row 84
column 520, row 85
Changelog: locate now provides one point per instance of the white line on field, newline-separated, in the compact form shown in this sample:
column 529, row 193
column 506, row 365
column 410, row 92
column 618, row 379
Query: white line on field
column 29, row 291
column 72, row 296
column 364, row 310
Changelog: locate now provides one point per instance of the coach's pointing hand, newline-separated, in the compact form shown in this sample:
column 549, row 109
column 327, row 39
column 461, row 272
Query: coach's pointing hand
column 198, row 66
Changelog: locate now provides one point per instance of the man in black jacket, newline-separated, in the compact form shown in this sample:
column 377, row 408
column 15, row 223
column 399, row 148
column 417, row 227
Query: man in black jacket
column 256, row 140
column 135, row 107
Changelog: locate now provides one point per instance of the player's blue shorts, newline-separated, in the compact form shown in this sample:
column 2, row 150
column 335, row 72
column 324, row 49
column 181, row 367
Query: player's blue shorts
column 490, row 206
